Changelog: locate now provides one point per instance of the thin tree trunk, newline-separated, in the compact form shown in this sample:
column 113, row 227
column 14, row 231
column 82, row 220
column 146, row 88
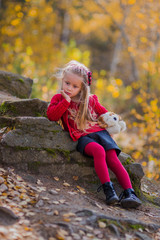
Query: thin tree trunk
column 65, row 28
column 116, row 54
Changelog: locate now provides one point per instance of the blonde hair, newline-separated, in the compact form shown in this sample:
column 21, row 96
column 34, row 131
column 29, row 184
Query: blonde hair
column 81, row 70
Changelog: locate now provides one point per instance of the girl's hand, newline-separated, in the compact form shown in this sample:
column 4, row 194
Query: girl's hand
column 65, row 96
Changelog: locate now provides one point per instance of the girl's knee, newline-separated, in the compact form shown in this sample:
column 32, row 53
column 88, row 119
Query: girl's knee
column 99, row 150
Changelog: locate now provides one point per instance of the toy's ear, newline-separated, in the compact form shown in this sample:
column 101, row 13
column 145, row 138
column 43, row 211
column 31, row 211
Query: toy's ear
column 119, row 118
column 102, row 123
column 122, row 125
column 111, row 113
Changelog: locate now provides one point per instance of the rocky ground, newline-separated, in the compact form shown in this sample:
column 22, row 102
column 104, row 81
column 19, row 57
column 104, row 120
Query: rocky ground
column 49, row 208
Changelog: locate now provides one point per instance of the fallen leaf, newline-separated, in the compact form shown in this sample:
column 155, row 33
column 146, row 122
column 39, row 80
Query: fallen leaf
column 52, row 191
column 28, row 229
column 61, row 234
column 39, row 182
column 66, row 184
column 1, row 180
column 41, row 189
column 101, row 224
column 56, row 212
column 66, row 219
column 69, row 214
column 55, row 202
column 78, row 219
column 99, row 206
column 81, row 189
column 45, row 198
column 72, row 193
column 75, row 178
column 62, row 201
column 58, row 190
column 56, row 178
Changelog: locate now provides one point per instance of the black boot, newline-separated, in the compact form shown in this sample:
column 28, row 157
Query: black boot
column 128, row 199
column 111, row 196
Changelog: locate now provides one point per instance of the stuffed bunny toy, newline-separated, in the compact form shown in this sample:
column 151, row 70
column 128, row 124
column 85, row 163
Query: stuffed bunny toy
column 112, row 122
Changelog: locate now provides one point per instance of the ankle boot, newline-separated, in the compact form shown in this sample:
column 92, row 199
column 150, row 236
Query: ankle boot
column 128, row 199
column 111, row 196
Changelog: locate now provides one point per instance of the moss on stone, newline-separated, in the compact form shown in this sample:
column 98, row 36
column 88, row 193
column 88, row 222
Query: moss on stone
column 5, row 108
column 50, row 151
column 65, row 153
column 8, row 78
column 54, row 132
column 22, row 148
column 34, row 166
column 128, row 161
column 151, row 199
column 136, row 226
column 109, row 221
column 135, row 182
column 20, row 80
column 38, row 114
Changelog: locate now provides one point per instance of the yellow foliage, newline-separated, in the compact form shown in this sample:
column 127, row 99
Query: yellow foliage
column 15, row 22
column 131, row 2
column 17, row 7
column 143, row 26
column 139, row 99
column 33, row 12
column 100, row 84
column 154, row 106
column 20, row 14
column 119, row 82
column 143, row 39
column 111, row 88
column 144, row 164
column 115, row 94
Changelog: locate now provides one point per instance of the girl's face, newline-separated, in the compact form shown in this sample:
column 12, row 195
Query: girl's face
column 72, row 85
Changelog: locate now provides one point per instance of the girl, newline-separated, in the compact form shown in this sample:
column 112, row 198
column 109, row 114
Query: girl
column 79, row 112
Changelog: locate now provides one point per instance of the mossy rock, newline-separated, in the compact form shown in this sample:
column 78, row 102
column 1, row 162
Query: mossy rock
column 26, row 107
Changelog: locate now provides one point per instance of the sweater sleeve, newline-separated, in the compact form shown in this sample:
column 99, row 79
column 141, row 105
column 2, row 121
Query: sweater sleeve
column 98, row 107
column 57, row 107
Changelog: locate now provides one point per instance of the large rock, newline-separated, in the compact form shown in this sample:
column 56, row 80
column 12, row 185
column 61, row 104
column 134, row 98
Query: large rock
column 15, row 84
column 41, row 146
column 37, row 132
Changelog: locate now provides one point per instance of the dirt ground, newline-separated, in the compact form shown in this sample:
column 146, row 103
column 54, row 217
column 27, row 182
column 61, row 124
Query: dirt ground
column 52, row 208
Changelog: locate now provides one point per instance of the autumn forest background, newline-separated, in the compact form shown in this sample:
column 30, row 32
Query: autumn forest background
column 118, row 40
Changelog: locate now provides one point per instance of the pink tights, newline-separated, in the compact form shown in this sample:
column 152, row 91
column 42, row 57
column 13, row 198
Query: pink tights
column 103, row 160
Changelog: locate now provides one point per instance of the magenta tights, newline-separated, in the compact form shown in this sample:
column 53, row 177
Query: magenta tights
column 109, row 158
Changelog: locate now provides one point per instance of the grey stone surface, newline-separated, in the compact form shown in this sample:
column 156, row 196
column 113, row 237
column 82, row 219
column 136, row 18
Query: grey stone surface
column 15, row 84
column 32, row 132
column 25, row 107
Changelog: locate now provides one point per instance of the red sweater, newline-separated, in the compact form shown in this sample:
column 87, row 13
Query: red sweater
column 60, row 108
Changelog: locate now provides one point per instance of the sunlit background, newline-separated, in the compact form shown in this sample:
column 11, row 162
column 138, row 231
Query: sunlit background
column 118, row 40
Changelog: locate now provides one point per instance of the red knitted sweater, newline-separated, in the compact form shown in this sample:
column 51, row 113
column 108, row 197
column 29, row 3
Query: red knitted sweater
column 60, row 108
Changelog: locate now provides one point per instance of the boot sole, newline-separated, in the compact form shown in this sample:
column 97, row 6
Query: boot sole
column 130, row 204
column 113, row 201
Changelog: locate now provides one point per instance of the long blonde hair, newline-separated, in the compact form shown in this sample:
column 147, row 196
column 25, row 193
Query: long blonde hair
column 81, row 70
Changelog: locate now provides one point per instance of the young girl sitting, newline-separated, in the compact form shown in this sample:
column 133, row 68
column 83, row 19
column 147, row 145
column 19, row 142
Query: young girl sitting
column 79, row 112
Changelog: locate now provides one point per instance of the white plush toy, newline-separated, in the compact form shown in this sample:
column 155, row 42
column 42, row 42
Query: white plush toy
column 112, row 122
